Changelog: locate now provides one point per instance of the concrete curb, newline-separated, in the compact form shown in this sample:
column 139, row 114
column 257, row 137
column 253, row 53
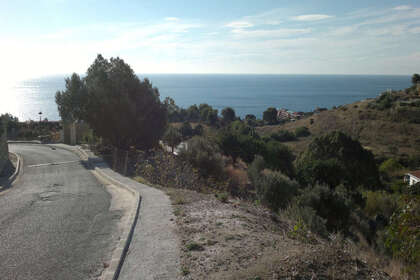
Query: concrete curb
column 19, row 165
column 118, row 256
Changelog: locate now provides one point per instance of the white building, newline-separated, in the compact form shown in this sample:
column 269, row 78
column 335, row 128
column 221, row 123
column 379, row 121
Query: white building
column 413, row 177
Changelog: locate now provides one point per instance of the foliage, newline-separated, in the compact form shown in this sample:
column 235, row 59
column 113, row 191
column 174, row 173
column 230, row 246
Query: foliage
column 8, row 122
column 275, row 189
column 334, row 206
column 306, row 217
column 228, row 115
column 239, row 140
column 415, row 79
column 198, row 130
column 380, row 203
column 385, row 101
column 72, row 101
column 251, row 120
column 115, row 103
column 172, row 137
column 270, row 115
column 123, row 109
column 302, row 131
column 186, row 130
column 255, row 169
column 390, row 167
column 279, row 157
column 335, row 159
column 208, row 114
column 283, row 136
column 204, row 155
column 403, row 234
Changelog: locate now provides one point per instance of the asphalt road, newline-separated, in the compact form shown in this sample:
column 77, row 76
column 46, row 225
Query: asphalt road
column 55, row 221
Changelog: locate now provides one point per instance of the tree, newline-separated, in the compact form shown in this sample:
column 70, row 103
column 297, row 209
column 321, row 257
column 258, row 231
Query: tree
column 251, row 120
column 193, row 114
column 121, row 108
column 335, row 159
column 72, row 102
column 208, row 114
column 172, row 109
column 186, row 130
column 415, row 79
column 228, row 115
column 270, row 115
column 279, row 157
column 172, row 137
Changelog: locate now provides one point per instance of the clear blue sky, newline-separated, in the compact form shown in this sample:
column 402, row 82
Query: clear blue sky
column 47, row 37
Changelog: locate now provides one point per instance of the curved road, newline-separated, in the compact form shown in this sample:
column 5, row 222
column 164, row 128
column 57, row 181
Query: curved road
column 55, row 221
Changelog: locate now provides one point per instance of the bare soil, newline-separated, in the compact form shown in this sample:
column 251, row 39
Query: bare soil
column 239, row 240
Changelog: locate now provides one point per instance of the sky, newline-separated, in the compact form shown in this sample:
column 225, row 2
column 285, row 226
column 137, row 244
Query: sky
column 48, row 37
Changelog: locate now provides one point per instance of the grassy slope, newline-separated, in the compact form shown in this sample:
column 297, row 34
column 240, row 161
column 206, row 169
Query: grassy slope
column 374, row 128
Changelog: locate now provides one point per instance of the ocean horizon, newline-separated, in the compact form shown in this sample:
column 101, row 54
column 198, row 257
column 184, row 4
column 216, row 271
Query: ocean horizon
column 246, row 93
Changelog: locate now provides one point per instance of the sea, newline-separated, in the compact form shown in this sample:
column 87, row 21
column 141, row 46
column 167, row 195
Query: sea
column 246, row 94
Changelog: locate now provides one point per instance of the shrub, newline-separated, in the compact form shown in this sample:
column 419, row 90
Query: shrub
column 333, row 206
column 390, row 167
column 204, row 155
column 344, row 159
column 380, row 203
column 279, row 157
column 275, row 190
column 302, row 131
column 309, row 217
column 186, row 130
column 255, row 169
column 283, row 136
column 194, row 246
column 403, row 234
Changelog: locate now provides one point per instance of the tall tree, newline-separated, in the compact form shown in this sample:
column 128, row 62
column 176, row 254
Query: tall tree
column 73, row 100
column 115, row 103
column 172, row 137
column 415, row 79
column 228, row 115
column 270, row 115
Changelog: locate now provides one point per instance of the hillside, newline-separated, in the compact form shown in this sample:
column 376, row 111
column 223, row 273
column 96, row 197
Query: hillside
column 388, row 125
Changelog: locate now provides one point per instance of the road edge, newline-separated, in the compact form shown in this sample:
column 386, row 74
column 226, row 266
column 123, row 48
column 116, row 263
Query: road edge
column 112, row 272
column 18, row 168
column 120, row 252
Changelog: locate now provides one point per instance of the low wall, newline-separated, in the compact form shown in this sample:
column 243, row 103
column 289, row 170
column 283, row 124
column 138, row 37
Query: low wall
column 4, row 152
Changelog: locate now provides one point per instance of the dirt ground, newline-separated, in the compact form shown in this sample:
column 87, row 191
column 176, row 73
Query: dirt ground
column 238, row 240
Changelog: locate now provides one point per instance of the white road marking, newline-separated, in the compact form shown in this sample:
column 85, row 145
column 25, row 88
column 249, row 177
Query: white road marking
column 53, row 163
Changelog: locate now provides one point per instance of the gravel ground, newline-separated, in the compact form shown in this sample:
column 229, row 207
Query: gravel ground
column 238, row 240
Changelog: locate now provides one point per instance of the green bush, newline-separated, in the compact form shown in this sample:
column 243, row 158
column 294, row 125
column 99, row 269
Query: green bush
column 309, row 217
column 205, row 156
column 390, row 166
column 403, row 234
column 380, row 203
column 302, row 131
column 283, row 136
column 335, row 158
column 275, row 190
column 279, row 157
column 334, row 206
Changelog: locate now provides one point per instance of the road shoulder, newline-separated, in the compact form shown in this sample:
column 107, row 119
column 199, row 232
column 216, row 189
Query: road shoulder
column 152, row 247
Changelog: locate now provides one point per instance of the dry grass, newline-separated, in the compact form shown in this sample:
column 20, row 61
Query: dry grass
column 373, row 128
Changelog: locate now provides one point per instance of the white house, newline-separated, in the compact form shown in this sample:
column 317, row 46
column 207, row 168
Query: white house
column 413, row 177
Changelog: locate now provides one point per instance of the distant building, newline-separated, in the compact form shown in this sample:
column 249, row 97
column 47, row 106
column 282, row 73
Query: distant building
column 413, row 177
column 288, row 115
